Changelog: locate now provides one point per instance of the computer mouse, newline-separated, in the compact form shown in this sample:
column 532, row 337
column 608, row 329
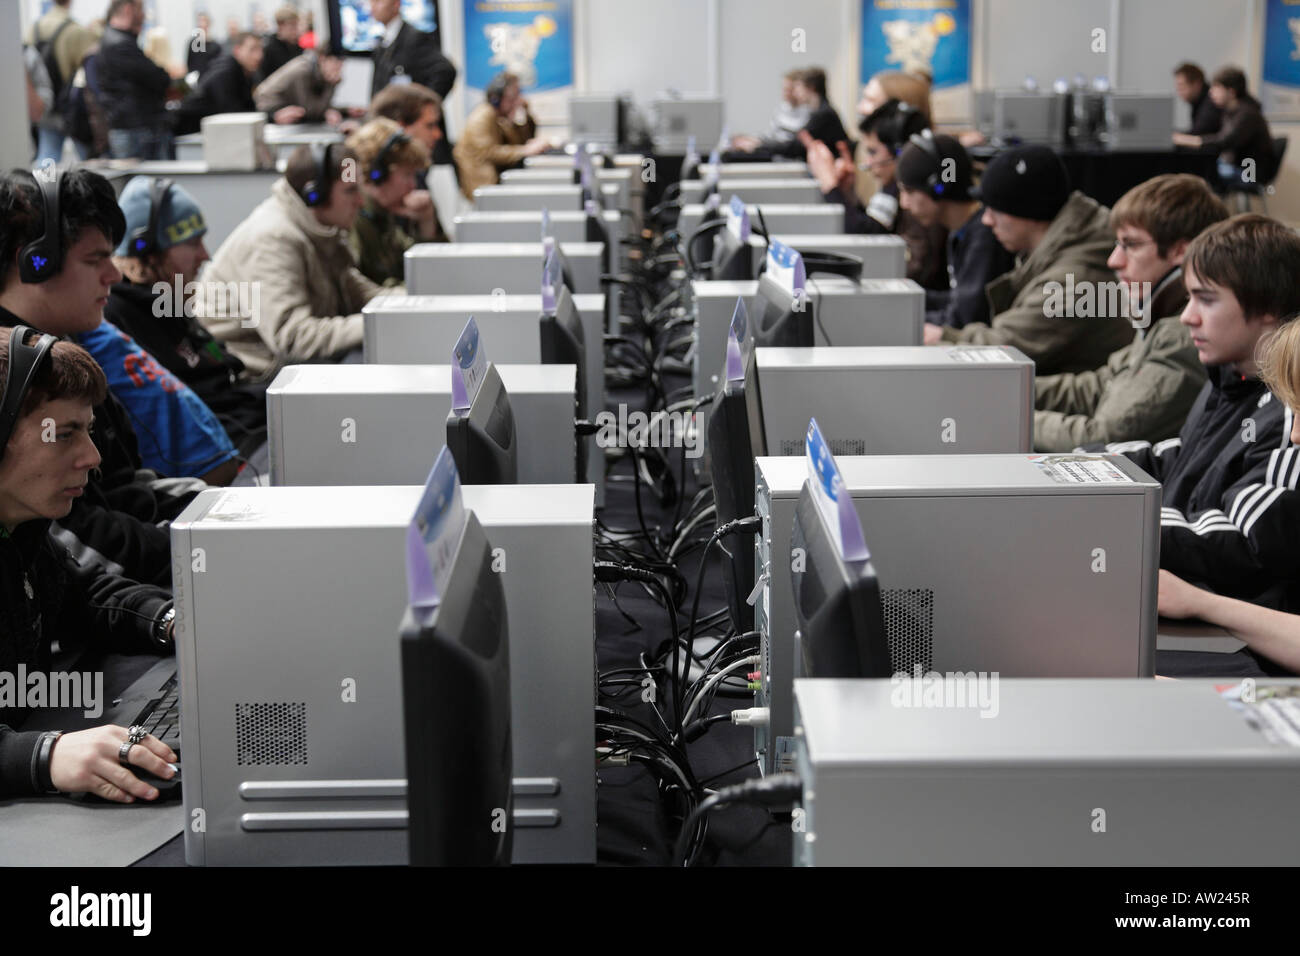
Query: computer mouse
column 167, row 788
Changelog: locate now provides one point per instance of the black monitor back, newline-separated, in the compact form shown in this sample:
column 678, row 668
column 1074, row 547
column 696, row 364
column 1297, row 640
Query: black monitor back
column 564, row 343
column 836, row 603
column 779, row 324
column 482, row 441
column 732, row 259
column 596, row 232
column 456, row 717
column 731, row 459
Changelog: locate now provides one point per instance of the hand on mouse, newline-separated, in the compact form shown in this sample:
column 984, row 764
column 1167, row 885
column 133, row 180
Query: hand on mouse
column 87, row 762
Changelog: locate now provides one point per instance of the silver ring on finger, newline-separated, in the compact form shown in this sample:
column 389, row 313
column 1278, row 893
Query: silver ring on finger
column 136, row 734
column 124, row 751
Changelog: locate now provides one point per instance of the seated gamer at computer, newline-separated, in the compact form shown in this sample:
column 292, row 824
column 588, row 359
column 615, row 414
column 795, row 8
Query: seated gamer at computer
column 1230, row 516
column 47, row 396
column 1271, row 635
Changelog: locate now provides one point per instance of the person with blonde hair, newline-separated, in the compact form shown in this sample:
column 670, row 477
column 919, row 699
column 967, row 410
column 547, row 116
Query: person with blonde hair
column 396, row 215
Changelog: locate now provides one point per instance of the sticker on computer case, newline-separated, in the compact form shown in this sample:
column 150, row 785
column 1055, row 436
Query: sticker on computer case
column 785, row 266
column 980, row 353
column 738, row 219
column 1080, row 469
column 550, row 282
column 832, row 498
column 468, row 366
column 434, row 533
column 1272, row 709
column 738, row 342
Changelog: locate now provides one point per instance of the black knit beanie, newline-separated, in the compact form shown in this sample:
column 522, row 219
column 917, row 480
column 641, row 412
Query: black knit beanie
column 1028, row 181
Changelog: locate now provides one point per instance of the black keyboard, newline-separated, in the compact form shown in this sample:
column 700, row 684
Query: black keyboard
column 162, row 717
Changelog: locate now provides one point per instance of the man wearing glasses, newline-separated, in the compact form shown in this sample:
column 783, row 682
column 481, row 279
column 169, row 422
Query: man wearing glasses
column 1146, row 389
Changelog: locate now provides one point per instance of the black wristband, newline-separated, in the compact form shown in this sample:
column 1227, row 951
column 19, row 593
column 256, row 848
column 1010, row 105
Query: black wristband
column 41, row 762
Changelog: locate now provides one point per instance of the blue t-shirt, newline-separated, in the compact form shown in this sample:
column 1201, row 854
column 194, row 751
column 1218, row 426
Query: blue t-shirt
column 178, row 435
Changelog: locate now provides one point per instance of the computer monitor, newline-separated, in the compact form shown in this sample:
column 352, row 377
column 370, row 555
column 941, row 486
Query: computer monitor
column 563, row 343
column 732, row 256
column 456, row 715
column 482, row 439
column 358, row 31
column 566, row 274
column 836, row 602
column 783, row 320
column 596, row 231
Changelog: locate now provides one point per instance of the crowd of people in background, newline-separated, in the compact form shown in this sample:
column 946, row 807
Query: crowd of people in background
column 174, row 383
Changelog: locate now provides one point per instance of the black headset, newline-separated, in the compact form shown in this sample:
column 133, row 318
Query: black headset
column 496, row 88
column 316, row 191
column 42, row 258
column 924, row 141
column 144, row 239
column 379, row 168
column 26, row 362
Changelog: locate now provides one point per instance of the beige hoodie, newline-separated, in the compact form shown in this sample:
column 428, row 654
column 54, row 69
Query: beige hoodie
column 298, row 290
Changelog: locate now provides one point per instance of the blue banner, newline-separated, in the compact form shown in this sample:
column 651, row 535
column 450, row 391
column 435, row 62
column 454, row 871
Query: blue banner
column 930, row 36
column 1280, row 90
column 531, row 38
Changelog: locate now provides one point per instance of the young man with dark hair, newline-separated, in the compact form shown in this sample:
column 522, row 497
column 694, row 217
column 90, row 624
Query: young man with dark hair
column 1244, row 136
column 300, row 290
column 824, row 124
column 302, row 89
column 153, row 305
column 1064, row 240
column 120, row 521
column 1190, row 85
column 416, row 108
column 50, row 598
column 934, row 186
column 227, row 86
column 396, row 215
column 1146, row 389
column 1231, row 512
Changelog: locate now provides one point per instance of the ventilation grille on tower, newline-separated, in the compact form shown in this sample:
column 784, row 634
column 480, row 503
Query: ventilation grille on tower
column 909, row 626
column 841, row 446
column 270, row 733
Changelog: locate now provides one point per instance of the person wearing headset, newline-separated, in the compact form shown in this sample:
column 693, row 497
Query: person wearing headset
column 499, row 134
column 50, row 389
column 934, row 186
column 57, row 233
column 396, row 215
column 300, row 290
column 884, row 134
column 178, row 434
column 159, row 258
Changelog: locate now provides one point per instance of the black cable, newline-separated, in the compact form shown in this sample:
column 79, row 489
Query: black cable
column 775, row 790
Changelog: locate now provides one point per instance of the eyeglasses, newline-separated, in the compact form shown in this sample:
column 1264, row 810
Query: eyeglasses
column 1128, row 246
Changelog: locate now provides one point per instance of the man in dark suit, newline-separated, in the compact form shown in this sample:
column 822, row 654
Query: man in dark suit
column 407, row 55
column 1190, row 85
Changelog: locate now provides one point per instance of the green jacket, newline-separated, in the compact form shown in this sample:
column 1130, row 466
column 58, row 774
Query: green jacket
column 1143, row 392
column 1073, row 252
column 379, row 241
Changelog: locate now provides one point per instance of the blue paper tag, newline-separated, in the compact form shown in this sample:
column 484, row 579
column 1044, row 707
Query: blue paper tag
column 433, row 534
column 546, row 223
column 711, row 180
column 785, row 266
column 738, row 219
column 692, row 155
column 468, row 366
column 739, row 342
column 832, row 498
column 550, row 282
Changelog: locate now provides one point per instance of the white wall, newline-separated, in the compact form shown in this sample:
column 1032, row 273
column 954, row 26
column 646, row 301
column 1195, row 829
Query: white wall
column 15, row 131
